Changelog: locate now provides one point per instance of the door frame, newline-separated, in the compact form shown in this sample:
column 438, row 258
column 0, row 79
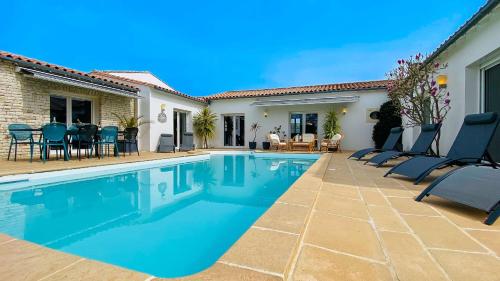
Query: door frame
column 303, row 125
column 233, row 115
column 483, row 68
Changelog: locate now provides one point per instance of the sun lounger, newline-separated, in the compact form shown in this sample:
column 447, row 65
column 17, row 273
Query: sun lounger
column 390, row 144
column 421, row 146
column 474, row 186
column 470, row 146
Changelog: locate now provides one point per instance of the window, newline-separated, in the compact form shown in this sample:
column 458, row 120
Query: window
column 58, row 109
column 299, row 127
column 295, row 124
column 79, row 110
column 311, row 123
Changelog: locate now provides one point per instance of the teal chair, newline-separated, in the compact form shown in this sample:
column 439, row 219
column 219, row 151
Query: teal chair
column 54, row 134
column 107, row 137
column 21, row 137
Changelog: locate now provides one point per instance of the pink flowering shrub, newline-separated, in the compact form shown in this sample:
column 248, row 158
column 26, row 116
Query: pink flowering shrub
column 413, row 88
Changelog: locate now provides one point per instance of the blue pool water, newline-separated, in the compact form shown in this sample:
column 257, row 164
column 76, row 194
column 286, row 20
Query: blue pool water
column 168, row 221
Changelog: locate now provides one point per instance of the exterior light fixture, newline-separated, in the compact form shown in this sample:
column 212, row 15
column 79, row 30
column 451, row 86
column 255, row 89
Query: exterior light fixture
column 442, row 81
column 344, row 110
column 265, row 114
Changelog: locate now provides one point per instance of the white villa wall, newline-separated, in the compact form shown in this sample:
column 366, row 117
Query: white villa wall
column 476, row 49
column 150, row 107
column 142, row 76
column 355, row 127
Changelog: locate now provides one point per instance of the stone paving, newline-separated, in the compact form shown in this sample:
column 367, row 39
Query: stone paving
column 340, row 221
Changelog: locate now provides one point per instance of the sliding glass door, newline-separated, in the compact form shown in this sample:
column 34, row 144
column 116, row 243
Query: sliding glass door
column 179, row 127
column 492, row 104
column 234, row 130
column 70, row 110
column 303, row 123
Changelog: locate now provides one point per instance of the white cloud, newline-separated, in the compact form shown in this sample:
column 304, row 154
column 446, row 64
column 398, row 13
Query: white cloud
column 355, row 62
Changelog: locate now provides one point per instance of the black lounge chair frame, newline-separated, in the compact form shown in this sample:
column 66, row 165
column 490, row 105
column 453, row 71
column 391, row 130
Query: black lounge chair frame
column 474, row 186
column 422, row 146
column 470, row 147
column 391, row 143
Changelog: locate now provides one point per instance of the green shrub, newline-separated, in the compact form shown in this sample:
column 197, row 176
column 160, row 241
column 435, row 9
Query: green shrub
column 388, row 118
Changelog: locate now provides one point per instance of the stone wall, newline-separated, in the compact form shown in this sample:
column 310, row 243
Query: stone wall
column 27, row 100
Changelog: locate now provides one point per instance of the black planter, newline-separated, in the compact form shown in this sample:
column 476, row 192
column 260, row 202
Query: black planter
column 266, row 145
column 252, row 145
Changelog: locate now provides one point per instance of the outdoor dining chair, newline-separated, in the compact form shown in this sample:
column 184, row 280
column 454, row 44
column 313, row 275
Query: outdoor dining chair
column 129, row 140
column 54, row 135
column 85, row 138
column 108, row 136
column 21, row 137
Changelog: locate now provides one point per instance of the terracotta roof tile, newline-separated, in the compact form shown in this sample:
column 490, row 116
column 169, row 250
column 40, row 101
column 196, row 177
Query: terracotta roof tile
column 79, row 74
column 326, row 88
column 133, row 81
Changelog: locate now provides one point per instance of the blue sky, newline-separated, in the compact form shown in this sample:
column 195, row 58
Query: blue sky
column 205, row 47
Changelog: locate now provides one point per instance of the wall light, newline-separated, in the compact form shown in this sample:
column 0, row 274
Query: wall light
column 265, row 114
column 442, row 81
column 344, row 110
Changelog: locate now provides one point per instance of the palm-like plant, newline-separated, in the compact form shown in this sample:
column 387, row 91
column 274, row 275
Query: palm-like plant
column 129, row 122
column 204, row 125
column 331, row 127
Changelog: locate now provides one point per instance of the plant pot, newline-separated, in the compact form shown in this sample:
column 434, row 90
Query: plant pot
column 252, row 145
column 266, row 145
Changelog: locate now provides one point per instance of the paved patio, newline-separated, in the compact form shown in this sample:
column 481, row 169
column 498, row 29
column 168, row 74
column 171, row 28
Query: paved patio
column 340, row 221
column 24, row 166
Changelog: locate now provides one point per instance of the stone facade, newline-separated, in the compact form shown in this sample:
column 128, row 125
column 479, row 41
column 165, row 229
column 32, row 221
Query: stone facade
column 27, row 100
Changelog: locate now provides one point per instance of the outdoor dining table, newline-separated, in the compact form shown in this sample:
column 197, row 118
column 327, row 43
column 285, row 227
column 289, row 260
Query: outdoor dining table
column 69, row 133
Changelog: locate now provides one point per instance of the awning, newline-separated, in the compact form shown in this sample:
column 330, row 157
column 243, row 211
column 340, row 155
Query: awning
column 37, row 74
column 304, row 101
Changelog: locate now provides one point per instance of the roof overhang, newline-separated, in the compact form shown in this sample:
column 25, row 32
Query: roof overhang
column 306, row 101
column 42, row 75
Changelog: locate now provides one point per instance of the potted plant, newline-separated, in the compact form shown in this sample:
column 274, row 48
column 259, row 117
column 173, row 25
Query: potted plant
column 130, row 126
column 204, row 125
column 254, row 128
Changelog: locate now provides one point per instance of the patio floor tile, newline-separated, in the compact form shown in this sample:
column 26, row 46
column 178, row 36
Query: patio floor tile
column 396, row 191
column 299, row 196
column 386, row 219
column 439, row 233
column 224, row 272
column 319, row 264
column 342, row 206
column 345, row 235
column 341, row 191
column 262, row 250
column 409, row 258
column 490, row 239
column 284, row 217
column 465, row 267
column 26, row 261
column 88, row 270
column 373, row 197
column 410, row 206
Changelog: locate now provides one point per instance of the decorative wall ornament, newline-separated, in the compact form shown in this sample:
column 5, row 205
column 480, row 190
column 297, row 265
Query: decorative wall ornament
column 162, row 116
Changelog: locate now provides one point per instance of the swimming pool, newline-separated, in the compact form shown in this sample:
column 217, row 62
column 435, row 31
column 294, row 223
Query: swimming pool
column 166, row 218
